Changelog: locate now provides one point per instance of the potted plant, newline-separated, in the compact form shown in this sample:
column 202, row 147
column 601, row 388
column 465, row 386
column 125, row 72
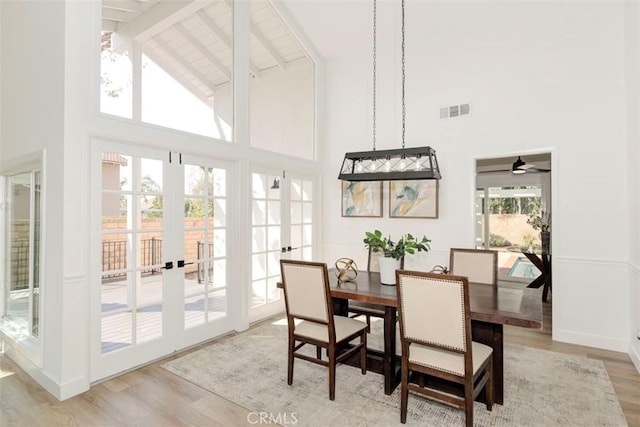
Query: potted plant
column 542, row 221
column 393, row 251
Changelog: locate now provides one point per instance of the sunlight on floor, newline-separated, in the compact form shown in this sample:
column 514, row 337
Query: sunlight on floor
column 5, row 373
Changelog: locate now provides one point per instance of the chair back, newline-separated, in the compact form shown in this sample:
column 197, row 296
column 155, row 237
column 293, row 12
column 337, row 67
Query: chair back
column 373, row 261
column 479, row 265
column 306, row 290
column 434, row 310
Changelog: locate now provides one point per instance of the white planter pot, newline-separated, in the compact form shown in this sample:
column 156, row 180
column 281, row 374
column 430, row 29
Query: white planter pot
column 388, row 267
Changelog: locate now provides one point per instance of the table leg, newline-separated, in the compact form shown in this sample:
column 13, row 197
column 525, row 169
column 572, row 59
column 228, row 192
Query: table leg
column 491, row 334
column 389, row 361
column 546, row 261
column 340, row 306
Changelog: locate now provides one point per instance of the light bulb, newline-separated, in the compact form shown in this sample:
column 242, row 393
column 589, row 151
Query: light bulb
column 403, row 164
column 387, row 166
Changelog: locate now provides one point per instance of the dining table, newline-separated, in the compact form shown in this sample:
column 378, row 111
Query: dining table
column 542, row 262
column 492, row 307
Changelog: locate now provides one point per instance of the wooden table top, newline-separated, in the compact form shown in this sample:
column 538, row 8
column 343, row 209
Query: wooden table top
column 517, row 307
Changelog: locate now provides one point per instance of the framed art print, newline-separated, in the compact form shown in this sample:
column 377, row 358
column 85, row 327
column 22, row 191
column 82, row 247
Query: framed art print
column 362, row 199
column 413, row 199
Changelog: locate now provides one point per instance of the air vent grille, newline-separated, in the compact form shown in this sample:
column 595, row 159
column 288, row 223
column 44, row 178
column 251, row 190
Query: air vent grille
column 456, row 110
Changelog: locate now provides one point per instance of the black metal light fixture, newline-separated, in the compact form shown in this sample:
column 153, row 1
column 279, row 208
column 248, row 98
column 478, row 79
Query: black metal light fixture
column 390, row 165
column 517, row 167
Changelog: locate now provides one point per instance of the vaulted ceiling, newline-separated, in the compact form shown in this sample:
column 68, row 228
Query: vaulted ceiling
column 192, row 40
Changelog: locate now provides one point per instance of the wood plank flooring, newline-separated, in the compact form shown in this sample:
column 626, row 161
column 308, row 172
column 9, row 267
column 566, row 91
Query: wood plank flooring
column 151, row 396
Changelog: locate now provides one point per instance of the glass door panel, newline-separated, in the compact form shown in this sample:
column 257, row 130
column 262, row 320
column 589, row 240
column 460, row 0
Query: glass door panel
column 163, row 225
column 301, row 202
column 131, row 293
column 266, row 245
column 205, row 245
column 19, row 249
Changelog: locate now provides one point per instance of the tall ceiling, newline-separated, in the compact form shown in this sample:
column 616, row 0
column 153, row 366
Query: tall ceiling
column 192, row 40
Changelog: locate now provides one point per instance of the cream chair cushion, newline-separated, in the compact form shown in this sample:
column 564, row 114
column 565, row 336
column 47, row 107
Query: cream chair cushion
column 345, row 326
column 442, row 360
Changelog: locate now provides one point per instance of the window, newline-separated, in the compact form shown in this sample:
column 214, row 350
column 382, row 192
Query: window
column 177, row 74
column 23, row 233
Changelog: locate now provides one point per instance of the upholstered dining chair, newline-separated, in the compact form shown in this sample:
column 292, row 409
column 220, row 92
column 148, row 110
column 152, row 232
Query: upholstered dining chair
column 311, row 321
column 435, row 332
column 366, row 309
column 478, row 265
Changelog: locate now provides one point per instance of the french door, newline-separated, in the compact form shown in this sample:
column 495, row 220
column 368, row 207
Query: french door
column 160, row 268
column 282, row 227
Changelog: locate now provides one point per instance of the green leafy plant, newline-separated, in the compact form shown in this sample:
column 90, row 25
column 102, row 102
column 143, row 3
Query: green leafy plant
column 496, row 241
column 408, row 244
column 540, row 221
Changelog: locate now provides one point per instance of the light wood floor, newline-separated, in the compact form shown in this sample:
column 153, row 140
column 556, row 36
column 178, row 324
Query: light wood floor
column 151, row 396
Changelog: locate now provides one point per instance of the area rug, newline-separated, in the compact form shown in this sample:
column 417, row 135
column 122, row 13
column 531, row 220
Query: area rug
column 542, row 388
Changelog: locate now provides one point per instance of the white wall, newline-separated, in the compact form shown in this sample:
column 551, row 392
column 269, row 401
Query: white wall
column 632, row 39
column 282, row 110
column 541, row 77
column 32, row 120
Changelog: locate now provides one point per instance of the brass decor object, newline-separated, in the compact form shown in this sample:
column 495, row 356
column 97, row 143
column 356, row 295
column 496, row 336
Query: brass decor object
column 346, row 270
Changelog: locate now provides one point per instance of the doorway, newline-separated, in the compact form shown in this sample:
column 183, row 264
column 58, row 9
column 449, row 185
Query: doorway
column 161, row 266
column 507, row 207
column 283, row 226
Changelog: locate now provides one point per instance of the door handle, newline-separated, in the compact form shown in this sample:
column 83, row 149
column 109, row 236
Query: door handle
column 181, row 263
column 168, row 265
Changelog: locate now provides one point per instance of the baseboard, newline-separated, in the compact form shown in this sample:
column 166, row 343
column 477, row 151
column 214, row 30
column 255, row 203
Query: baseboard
column 59, row 391
column 606, row 343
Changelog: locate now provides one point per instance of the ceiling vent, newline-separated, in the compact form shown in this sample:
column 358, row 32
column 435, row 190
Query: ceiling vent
column 452, row 111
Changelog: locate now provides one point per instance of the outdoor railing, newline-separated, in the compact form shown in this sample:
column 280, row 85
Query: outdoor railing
column 114, row 256
column 19, row 264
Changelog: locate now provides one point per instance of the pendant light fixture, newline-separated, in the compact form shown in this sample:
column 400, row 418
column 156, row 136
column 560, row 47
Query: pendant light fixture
column 395, row 164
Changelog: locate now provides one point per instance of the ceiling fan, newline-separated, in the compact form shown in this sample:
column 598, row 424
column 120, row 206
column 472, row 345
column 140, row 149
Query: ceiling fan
column 518, row 167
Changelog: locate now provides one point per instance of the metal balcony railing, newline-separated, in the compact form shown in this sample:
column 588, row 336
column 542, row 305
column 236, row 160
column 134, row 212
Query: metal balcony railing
column 114, row 256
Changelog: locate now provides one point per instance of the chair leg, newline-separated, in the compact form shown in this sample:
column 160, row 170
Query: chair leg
column 363, row 354
column 468, row 404
column 488, row 387
column 404, row 391
column 290, row 361
column 368, row 323
column 332, row 374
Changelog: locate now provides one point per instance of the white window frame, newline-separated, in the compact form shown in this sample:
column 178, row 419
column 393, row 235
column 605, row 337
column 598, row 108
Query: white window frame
column 30, row 346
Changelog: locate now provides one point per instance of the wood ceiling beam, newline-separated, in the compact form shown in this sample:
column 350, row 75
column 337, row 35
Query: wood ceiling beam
column 267, row 46
column 109, row 25
column 126, row 5
column 203, row 50
column 116, row 15
column 158, row 18
column 206, row 20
